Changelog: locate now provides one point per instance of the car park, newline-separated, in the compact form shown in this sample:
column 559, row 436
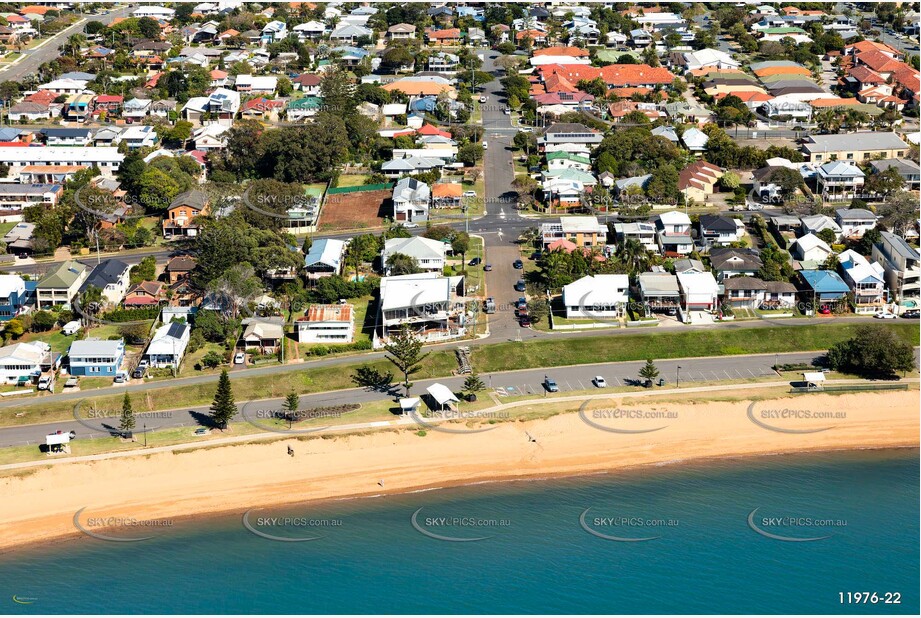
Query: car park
column 551, row 385
column 600, row 382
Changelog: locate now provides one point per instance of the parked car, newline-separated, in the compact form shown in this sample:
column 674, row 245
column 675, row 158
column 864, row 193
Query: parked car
column 469, row 194
column 45, row 383
column 912, row 314
column 485, row 145
column 202, row 431
column 508, row 111
column 410, row 226
column 524, row 321
column 475, row 261
column 550, row 384
column 490, row 305
column 483, row 99
column 487, row 267
column 824, row 310
column 599, row 382
column 884, row 315
column 141, row 370
column 521, row 302
column 239, row 358
column 72, row 382
column 520, row 286
column 518, row 264
column 121, row 377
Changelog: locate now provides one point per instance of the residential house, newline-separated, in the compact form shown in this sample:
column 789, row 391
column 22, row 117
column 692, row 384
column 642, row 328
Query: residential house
column 23, row 362
column 311, row 30
column 136, row 109
column 26, row 111
column 139, row 136
column 908, row 170
column 14, row 197
column 810, row 248
column 443, row 62
column 866, row 280
column 720, row 230
column 256, row 84
column 210, row 137
column 67, row 137
column 274, row 31
column 327, row 324
column 180, row 268
column 839, row 180
column 752, row 293
column 401, row 32
column 263, row 335
column 854, row 221
column 699, row 292
column 308, row 83
column 695, row 140
column 813, row 224
column 730, row 262
column 823, row 286
column 583, row 231
column 60, row 285
column 168, row 344
column 110, row 276
column 407, row 166
column 597, row 297
column 698, row 180
column 659, row 292
column 411, row 199
column 16, row 296
column 674, row 233
column 901, row 266
column 569, row 132
column 447, row 195
column 144, row 294
column 324, row 258
column 182, row 212
column 349, row 34
column 19, row 239
column 432, row 307
column 854, row 147
column 642, row 232
column 95, row 357
column 429, row 254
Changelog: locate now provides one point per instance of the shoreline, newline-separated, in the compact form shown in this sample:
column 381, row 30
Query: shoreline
column 231, row 479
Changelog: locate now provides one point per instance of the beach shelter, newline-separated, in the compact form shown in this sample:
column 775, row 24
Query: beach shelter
column 408, row 405
column 442, row 395
column 814, row 379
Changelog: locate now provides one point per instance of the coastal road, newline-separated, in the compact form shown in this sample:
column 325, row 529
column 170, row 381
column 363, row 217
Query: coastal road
column 512, row 383
column 47, row 50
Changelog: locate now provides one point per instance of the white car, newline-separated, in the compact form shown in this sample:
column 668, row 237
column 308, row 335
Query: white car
column 885, row 315
column 239, row 359
column 469, row 193
column 508, row 111
column 485, row 146
column 599, row 382
column 410, row 226
column 483, row 99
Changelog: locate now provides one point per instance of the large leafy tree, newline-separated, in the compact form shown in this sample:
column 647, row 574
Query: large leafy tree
column 872, row 351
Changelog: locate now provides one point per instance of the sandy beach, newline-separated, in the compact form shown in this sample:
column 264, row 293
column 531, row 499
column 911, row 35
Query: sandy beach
column 607, row 435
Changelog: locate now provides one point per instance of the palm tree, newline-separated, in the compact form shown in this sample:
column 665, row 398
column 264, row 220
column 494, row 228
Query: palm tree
column 634, row 256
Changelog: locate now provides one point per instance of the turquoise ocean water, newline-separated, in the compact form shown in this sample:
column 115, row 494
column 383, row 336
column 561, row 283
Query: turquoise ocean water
column 537, row 555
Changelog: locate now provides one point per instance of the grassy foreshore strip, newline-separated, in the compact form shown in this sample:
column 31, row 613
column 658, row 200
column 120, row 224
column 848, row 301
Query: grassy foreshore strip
column 485, row 359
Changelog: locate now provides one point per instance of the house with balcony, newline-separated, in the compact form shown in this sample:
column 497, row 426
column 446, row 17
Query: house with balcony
column 642, row 232
column 112, row 277
column 901, row 266
column 854, row 221
column 659, row 292
column 752, row 293
column 17, row 296
column 168, row 344
column 597, row 297
column 730, row 262
column 813, row 224
column 866, row 280
column 326, row 324
column 823, row 287
column 673, row 231
column 324, row 258
column 720, row 230
column 60, row 285
column 23, row 362
column 907, row 169
column 429, row 254
column 443, row 62
column 583, row 231
column 95, row 357
column 182, row 212
column 839, row 180
column 431, row 306
column 411, row 200
column 862, row 146
column 699, row 292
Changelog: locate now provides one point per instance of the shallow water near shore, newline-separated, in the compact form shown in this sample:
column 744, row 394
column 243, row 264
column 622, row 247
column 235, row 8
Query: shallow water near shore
column 672, row 538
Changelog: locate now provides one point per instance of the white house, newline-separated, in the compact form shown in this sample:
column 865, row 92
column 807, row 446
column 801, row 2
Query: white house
column 699, row 291
column 411, row 199
column 866, row 280
column 262, row 84
column 327, row 324
column 855, row 221
column 901, row 264
column 597, row 297
column 167, row 347
column 430, row 305
column 154, row 12
column 674, row 233
column 810, row 248
column 21, row 361
column 429, row 254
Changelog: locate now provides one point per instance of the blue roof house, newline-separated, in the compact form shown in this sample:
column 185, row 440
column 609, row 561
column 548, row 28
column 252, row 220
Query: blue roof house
column 826, row 285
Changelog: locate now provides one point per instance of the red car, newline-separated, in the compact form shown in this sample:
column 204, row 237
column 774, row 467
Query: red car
column 825, row 310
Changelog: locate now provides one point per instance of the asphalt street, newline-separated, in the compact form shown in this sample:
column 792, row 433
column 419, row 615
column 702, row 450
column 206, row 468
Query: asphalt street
column 511, row 383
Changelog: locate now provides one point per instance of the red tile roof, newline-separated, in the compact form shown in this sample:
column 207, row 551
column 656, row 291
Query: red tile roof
column 559, row 50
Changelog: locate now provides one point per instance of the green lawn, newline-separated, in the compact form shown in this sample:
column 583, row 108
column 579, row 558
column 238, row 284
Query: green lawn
column 473, row 275
column 6, row 227
column 353, row 180
column 490, row 358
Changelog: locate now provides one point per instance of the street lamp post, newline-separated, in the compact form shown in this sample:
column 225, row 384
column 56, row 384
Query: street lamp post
column 145, row 434
column 678, row 376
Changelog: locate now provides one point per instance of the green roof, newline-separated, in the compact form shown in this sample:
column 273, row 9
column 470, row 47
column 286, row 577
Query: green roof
column 784, row 30
column 568, row 155
column 63, row 276
column 305, row 103
column 313, row 192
